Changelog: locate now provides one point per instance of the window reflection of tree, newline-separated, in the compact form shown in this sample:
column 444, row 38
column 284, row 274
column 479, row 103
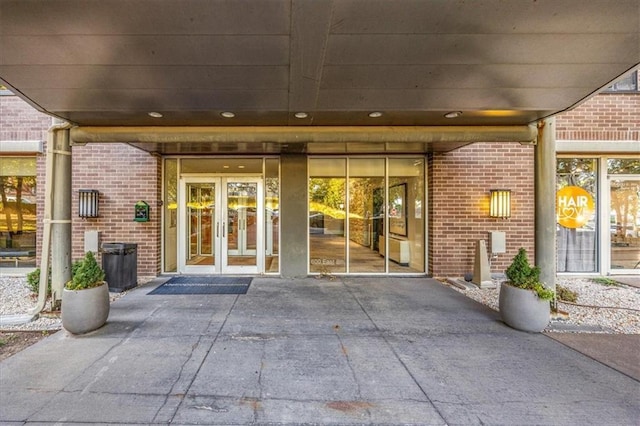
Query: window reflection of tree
column 17, row 194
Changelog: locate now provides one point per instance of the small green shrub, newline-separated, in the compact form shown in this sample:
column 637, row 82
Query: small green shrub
column 566, row 294
column 543, row 292
column 75, row 266
column 520, row 272
column 33, row 281
column 522, row 275
column 86, row 273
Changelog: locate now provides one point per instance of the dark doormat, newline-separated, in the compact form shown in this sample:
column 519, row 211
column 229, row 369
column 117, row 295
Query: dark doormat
column 204, row 285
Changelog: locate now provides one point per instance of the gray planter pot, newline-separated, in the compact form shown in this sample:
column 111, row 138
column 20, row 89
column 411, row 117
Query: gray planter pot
column 522, row 310
column 85, row 310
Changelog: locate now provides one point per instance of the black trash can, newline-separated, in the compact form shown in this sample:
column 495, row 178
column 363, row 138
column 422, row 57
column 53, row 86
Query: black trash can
column 120, row 264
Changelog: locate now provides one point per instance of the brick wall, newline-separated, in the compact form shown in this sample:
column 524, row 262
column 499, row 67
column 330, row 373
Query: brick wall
column 20, row 122
column 605, row 117
column 124, row 175
column 459, row 184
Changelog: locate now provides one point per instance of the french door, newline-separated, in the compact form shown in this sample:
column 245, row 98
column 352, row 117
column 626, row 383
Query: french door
column 220, row 222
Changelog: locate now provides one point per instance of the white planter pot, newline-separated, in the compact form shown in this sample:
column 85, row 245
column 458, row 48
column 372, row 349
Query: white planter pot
column 523, row 310
column 85, row 310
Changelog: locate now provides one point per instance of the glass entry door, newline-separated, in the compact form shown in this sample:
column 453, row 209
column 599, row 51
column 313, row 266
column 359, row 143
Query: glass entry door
column 241, row 225
column 200, row 209
column 221, row 224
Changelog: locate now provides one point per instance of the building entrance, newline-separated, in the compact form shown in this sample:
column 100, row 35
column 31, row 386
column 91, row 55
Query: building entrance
column 220, row 225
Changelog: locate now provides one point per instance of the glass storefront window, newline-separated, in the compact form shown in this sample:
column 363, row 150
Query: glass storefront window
column 327, row 202
column 577, row 247
column 366, row 214
column 356, row 189
column 624, row 226
column 18, row 209
column 272, row 215
column 170, row 215
column 623, row 166
column 406, row 218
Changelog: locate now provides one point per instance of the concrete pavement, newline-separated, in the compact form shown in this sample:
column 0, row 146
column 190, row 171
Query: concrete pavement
column 311, row 351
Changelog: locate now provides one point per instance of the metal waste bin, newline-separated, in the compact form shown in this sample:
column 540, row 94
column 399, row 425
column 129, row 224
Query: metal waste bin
column 120, row 264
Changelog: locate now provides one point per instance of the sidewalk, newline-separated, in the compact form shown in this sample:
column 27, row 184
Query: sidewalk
column 377, row 350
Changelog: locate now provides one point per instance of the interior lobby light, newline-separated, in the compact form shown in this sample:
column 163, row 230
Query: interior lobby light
column 453, row 114
column 301, row 115
column 227, row 114
column 155, row 114
column 88, row 203
column 375, row 114
column 500, row 203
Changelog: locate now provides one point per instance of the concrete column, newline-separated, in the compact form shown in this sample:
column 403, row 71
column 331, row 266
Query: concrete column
column 293, row 216
column 545, row 202
column 61, row 214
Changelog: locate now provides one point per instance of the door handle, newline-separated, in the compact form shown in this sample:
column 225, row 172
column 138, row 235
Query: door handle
column 217, row 229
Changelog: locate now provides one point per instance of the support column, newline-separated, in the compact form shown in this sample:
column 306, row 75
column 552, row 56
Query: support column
column 293, row 218
column 545, row 202
column 61, row 213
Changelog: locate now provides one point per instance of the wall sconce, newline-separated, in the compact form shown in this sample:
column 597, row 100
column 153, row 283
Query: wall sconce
column 88, row 203
column 500, row 204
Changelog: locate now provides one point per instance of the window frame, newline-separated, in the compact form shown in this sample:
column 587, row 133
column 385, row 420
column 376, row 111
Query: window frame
column 632, row 77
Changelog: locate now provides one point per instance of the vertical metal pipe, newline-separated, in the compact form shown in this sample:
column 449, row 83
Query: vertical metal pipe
column 61, row 223
column 545, row 202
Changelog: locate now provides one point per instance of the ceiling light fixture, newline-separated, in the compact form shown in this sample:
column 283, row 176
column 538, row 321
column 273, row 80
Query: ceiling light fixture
column 301, row 115
column 453, row 114
column 227, row 114
column 375, row 114
column 155, row 114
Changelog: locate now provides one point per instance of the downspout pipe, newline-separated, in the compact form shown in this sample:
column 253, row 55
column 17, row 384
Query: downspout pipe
column 48, row 218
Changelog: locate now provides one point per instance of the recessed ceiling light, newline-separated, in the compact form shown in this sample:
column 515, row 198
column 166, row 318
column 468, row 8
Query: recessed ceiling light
column 453, row 114
column 227, row 114
column 155, row 114
column 301, row 115
column 375, row 114
column 225, row 167
column 241, row 167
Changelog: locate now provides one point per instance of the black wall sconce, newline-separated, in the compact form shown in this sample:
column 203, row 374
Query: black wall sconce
column 88, row 203
column 500, row 204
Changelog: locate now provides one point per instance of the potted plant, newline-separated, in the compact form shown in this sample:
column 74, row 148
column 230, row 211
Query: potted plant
column 85, row 299
column 524, row 302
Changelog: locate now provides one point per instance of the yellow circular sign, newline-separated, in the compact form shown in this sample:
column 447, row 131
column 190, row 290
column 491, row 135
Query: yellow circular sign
column 574, row 207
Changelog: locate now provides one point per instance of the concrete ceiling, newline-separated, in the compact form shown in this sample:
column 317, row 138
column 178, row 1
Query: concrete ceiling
column 111, row 62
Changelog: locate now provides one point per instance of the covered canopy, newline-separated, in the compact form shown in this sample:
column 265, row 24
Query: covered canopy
column 313, row 62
